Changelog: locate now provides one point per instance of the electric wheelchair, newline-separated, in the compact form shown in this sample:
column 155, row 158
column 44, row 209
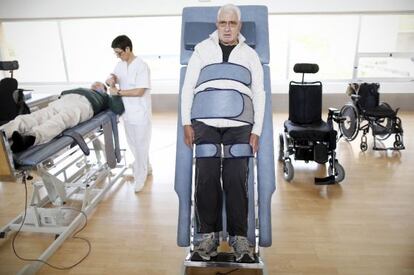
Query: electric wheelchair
column 306, row 135
column 367, row 112
column 11, row 98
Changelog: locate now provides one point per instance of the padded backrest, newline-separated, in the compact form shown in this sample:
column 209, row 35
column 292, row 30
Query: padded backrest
column 368, row 96
column 11, row 100
column 11, row 107
column 8, row 107
column 199, row 22
column 305, row 103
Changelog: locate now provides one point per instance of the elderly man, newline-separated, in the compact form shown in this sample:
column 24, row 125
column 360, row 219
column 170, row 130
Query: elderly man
column 73, row 107
column 219, row 125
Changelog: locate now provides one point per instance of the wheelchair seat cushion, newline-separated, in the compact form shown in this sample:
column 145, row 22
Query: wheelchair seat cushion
column 317, row 131
column 379, row 111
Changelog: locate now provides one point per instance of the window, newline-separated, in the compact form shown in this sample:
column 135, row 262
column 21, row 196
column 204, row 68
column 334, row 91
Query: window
column 386, row 48
column 329, row 41
column 78, row 51
column 36, row 46
column 90, row 56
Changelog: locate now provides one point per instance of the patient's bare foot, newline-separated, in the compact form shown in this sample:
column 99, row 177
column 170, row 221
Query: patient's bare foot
column 21, row 143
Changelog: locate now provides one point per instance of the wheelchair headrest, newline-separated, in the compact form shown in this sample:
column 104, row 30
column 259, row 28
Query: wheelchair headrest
column 306, row 68
column 196, row 32
column 9, row 65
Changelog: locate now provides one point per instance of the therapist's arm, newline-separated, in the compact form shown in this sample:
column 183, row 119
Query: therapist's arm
column 130, row 92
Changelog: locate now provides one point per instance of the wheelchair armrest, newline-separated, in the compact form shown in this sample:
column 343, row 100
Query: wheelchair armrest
column 333, row 111
column 355, row 97
column 334, row 114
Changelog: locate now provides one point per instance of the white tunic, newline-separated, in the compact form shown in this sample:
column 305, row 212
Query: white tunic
column 135, row 75
column 137, row 116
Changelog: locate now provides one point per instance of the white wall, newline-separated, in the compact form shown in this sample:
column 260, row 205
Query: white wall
column 28, row 9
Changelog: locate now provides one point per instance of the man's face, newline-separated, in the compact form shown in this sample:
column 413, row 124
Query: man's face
column 122, row 54
column 98, row 86
column 228, row 28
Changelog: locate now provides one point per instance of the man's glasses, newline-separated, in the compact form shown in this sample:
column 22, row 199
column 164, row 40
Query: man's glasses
column 118, row 53
column 224, row 24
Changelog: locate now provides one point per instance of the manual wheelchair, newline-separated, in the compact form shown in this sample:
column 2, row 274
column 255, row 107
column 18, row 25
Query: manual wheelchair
column 366, row 112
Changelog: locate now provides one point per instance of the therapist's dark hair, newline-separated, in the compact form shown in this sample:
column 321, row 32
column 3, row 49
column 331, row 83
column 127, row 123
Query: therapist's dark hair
column 122, row 42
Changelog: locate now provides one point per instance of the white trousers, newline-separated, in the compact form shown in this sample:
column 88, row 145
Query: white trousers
column 138, row 138
column 47, row 123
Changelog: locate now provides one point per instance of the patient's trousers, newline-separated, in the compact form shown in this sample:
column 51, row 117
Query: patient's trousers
column 208, row 188
column 47, row 123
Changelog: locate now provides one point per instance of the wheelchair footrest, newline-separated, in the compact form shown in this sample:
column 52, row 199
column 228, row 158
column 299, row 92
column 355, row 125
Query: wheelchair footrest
column 325, row 181
column 378, row 130
column 221, row 257
column 224, row 260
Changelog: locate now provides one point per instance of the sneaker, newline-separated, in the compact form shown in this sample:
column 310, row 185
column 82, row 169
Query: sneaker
column 207, row 248
column 149, row 170
column 138, row 187
column 242, row 250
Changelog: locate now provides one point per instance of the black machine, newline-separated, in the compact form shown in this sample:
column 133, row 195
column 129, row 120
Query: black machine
column 367, row 112
column 306, row 135
column 11, row 97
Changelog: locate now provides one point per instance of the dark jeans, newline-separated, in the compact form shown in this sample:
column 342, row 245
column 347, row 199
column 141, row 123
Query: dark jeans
column 208, row 189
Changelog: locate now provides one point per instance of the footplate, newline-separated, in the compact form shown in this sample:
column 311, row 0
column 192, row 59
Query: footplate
column 223, row 259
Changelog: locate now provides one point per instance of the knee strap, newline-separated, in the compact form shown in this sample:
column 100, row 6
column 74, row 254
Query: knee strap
column 241, row 150
column 209, row 150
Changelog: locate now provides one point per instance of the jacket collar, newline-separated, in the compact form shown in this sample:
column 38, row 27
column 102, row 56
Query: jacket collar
column 215, row 38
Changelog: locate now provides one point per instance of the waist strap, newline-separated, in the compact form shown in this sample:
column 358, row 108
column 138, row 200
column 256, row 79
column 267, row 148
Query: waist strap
column 221, row 103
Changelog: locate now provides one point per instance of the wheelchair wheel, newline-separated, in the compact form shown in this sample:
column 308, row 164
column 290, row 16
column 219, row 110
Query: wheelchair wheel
column 398, row 145
column 281, row 147
column 288, row 171
column 350, row 126
column 363, row 146
column 385, row 123
column 339, row 172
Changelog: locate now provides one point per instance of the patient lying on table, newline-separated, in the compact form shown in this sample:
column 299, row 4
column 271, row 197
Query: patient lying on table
column 73, row 107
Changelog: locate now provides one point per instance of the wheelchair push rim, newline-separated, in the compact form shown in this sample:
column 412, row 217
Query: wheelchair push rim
column 349, row 127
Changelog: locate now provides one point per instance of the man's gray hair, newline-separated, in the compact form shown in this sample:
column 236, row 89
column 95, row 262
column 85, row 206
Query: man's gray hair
column 229, row 8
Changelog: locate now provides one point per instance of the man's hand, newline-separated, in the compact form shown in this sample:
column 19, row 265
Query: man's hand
column 254, row 142
column 113, row 91
column 188, row 135
column 111, row 80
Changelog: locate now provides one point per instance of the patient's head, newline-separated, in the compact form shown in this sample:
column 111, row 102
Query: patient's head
column 228, row 24
column 98, row 86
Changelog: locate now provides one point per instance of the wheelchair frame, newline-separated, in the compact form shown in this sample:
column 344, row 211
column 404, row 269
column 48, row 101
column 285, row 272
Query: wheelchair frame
column 354, row 120
column 305, row 149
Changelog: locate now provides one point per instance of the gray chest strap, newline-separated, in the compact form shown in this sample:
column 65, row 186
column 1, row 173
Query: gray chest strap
column 225, row 71
column 218, row 103
column 239, row 150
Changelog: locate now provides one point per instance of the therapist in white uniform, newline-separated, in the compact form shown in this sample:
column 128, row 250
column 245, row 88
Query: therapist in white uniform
column 133, row 78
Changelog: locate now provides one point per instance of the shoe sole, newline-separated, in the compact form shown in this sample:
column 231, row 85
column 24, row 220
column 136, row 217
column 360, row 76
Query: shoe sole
column 245, row 258
column 197, row 257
